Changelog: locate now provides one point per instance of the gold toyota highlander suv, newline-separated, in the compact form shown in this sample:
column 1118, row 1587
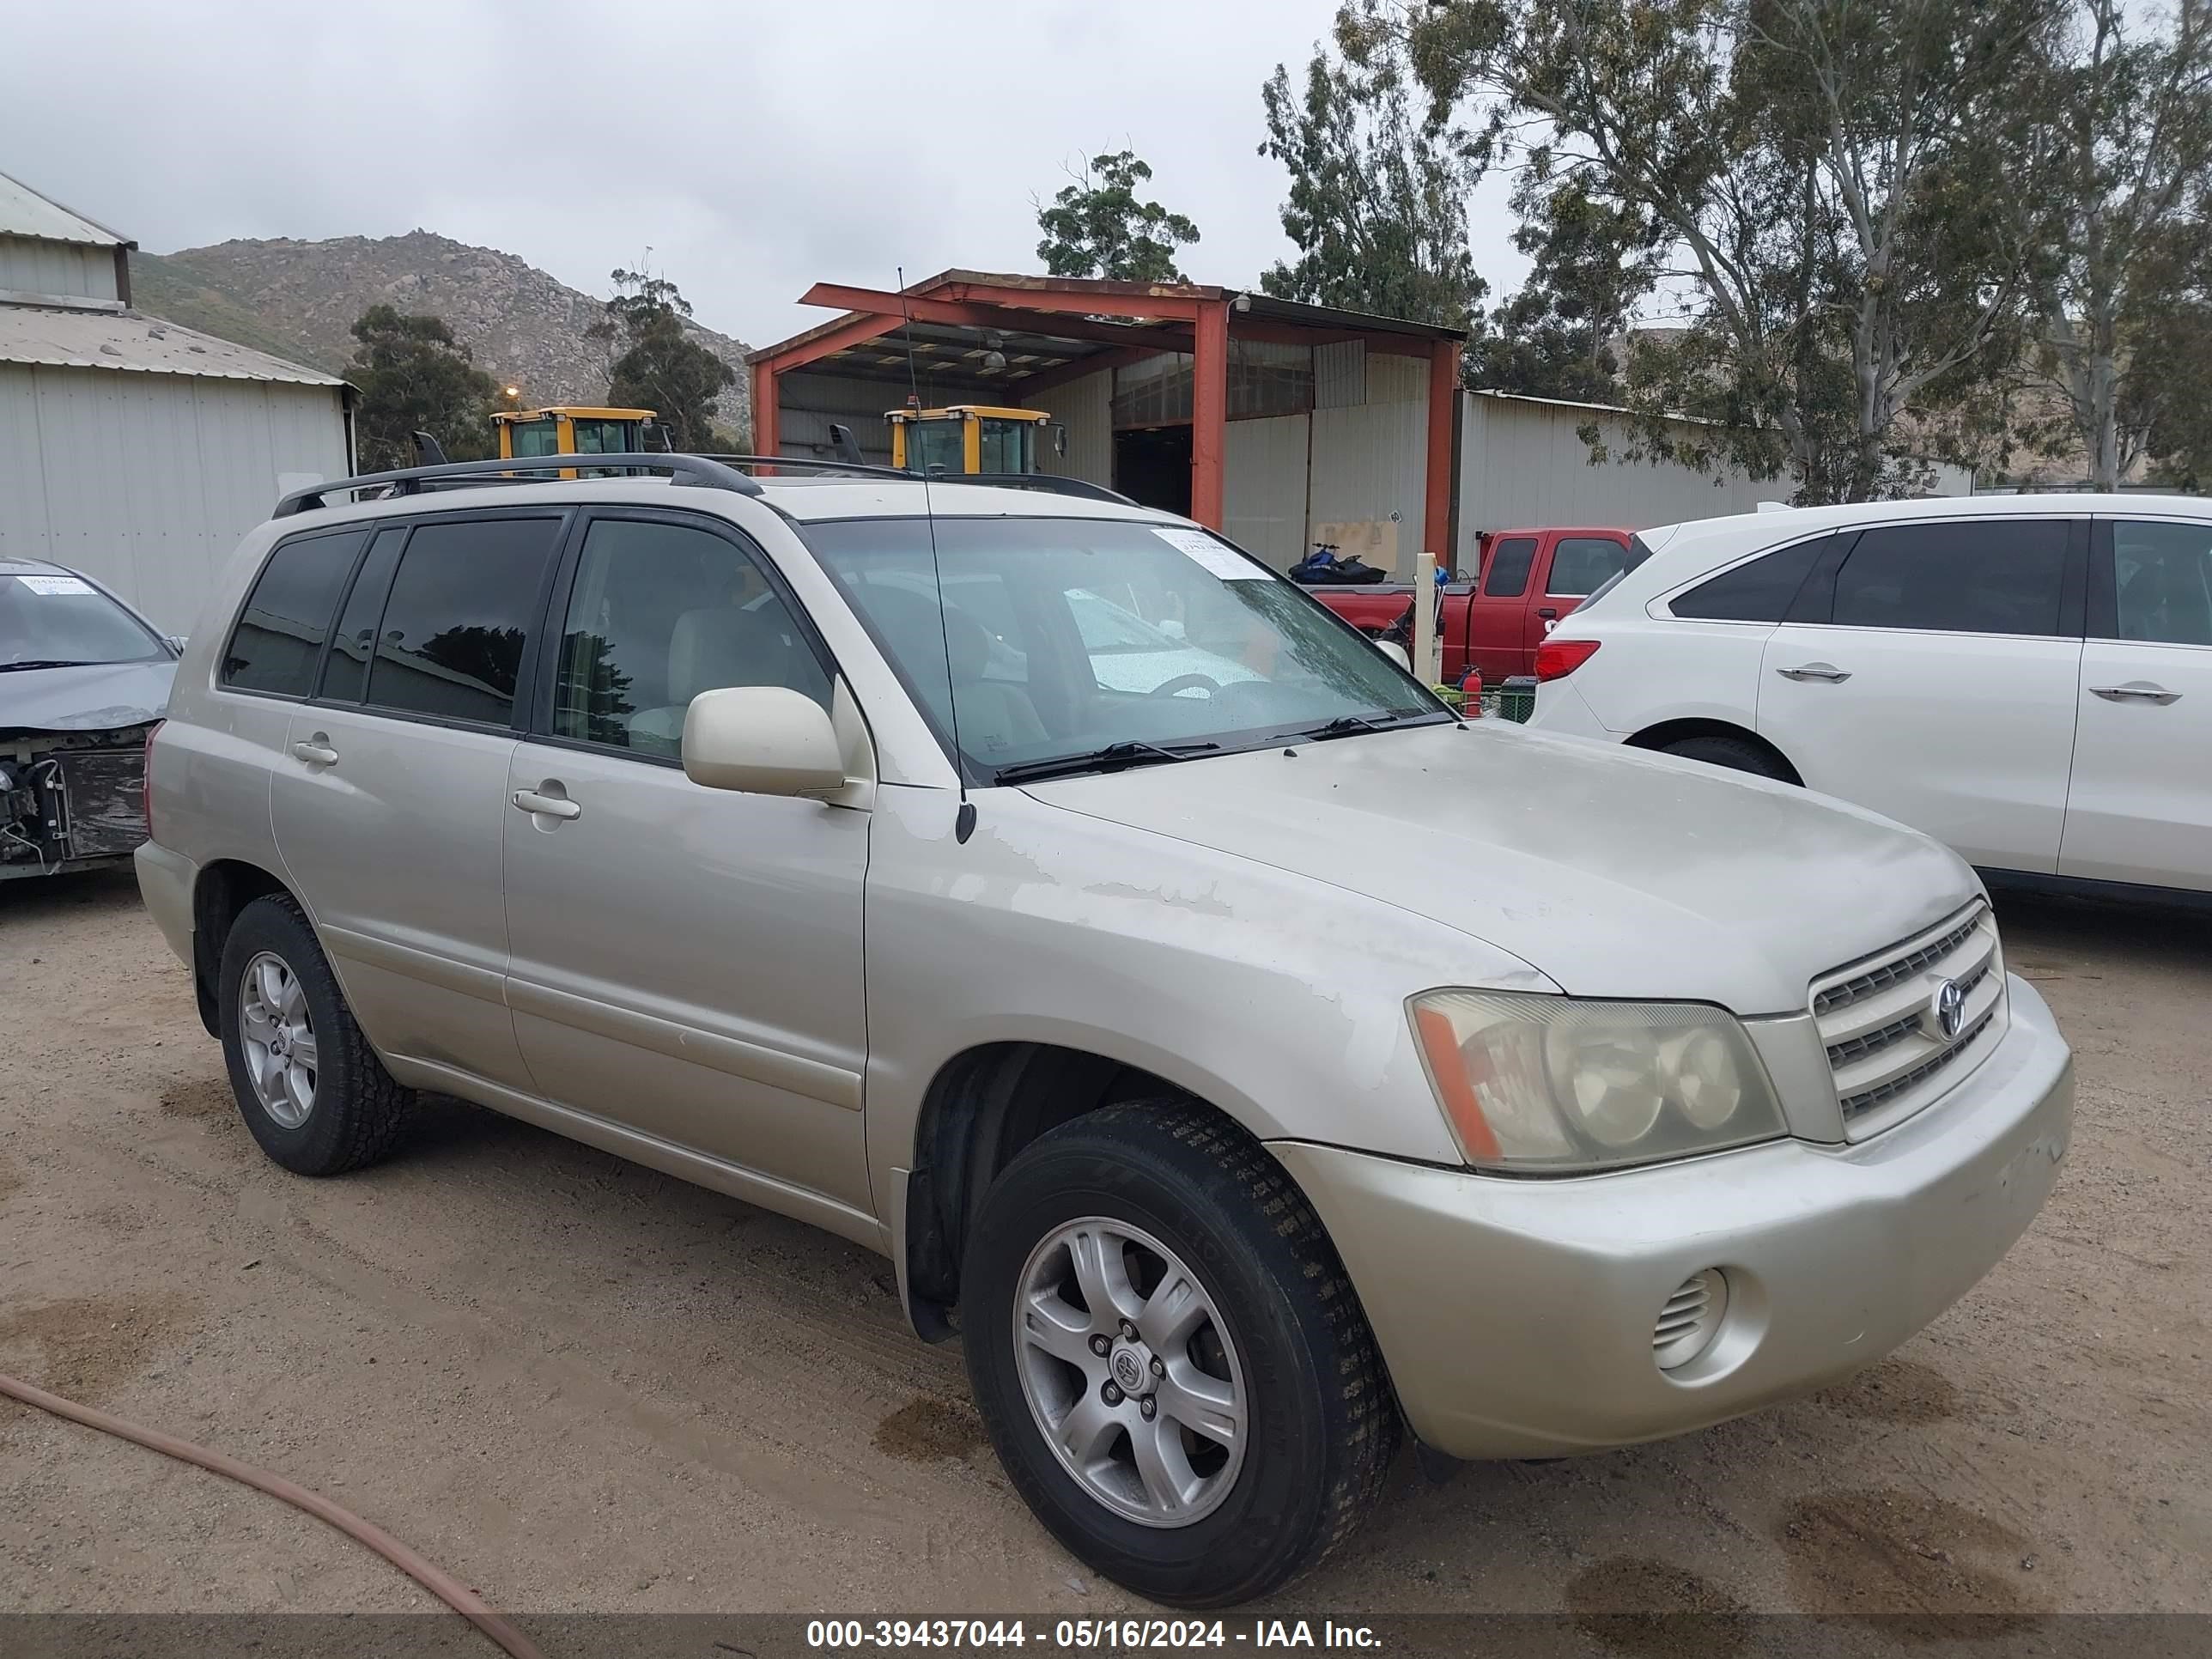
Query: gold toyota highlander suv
column 1247, row 1057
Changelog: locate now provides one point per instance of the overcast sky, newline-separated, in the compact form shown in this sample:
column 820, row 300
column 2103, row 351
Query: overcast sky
column 754, row 147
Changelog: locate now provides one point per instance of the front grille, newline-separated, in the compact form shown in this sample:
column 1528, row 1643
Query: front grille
column 1864, row 985
column 1868, row 1099
column 1878, row 1021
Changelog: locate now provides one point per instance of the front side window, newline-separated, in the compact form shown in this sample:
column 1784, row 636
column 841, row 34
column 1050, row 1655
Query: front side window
column 1991, row 576
column 659, row 612
column 451, row 642
column 1061, row 637
column 1761, row 591
column 2162, row 582
column 280, row 634
column 1582, row 564
column 1508, row 569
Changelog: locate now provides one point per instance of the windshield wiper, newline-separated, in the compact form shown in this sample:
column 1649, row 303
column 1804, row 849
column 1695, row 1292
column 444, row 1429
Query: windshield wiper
column 1129, row 753
column 1346, row 725
column 45, row 662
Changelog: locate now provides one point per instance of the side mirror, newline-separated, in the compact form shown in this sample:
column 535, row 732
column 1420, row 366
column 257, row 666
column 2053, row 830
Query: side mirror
column 176, row 643
column 1397, row 653
column 761, row 740
column 1059, row 440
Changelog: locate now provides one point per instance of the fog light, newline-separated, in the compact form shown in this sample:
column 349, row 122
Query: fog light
column 1691, row 1320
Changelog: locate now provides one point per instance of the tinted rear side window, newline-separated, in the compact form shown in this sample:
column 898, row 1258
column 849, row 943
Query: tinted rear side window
column 1999, row 577
column 1508, row 569
column 345, row 671
column 2162, row 582
column 280, row 634
column 463, row 602
column 1759, row 592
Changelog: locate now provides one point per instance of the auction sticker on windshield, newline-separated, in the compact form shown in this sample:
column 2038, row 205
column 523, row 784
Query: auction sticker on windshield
column 56, row 584
column 1224, row 562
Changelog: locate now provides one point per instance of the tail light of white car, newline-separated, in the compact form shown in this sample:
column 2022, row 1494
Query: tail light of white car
column 1557, row 659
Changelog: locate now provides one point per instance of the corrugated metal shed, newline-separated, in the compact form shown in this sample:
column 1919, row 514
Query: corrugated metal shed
column 24, row 212
column 55, row 338
column 148, row 481
column 33, row 268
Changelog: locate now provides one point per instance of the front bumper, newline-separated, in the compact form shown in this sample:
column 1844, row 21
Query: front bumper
column 1516, row 1315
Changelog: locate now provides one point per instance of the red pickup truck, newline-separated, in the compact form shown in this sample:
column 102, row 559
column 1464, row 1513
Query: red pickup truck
column 1528, row 580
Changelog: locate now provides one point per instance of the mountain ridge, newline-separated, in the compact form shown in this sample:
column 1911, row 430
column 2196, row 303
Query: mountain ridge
column 299, row 300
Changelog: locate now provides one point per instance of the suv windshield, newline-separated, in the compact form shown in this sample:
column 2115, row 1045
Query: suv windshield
column 1070, row 636
column 52, row 617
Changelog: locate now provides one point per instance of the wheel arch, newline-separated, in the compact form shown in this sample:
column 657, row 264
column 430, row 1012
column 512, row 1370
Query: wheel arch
column 222, row 888
column 982, row 1108
column 1665, row 732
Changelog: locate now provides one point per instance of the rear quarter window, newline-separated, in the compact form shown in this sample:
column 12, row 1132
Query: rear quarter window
column 278, row 640
column 1761, row 591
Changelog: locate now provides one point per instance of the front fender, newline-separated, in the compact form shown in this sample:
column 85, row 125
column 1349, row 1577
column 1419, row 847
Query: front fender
column 1277, row 999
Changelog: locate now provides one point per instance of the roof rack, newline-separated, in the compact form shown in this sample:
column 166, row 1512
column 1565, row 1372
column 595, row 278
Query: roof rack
column 714, row 471
column 707, row 470
column 1047, row 481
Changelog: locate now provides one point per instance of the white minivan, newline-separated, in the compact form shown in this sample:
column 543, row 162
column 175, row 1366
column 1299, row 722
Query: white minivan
column 2029, row 678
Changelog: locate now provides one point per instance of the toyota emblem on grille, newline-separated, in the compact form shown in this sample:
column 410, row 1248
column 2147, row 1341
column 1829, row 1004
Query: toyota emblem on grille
column 1948, row 1005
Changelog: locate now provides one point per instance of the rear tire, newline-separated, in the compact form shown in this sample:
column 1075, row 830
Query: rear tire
column 1737, row 754
column 1280, row 1358
column 312, row 1090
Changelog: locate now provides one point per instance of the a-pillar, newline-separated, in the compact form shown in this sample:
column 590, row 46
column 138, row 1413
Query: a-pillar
column 1209, row 412
column 1443, row 398
column 767, row 432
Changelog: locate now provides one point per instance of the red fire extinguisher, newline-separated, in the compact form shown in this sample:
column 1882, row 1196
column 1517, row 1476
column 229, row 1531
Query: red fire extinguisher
column 1470, row 691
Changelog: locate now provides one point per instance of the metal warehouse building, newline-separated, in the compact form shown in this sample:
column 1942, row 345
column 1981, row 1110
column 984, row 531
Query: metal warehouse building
column 1278, row 424
column 131, row 449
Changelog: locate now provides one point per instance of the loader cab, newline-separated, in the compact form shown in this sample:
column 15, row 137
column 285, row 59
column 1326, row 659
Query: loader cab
column 576, row 429
column 965, row 438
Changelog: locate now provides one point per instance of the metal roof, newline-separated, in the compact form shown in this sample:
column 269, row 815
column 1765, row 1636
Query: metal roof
column 24, row 212
column 53, row 337
column 1031, row 345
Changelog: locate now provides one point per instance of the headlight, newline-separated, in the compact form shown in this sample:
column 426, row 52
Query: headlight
column 1540, row 1082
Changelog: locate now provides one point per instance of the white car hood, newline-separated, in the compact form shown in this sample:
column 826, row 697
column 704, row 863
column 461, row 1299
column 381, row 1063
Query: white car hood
column 1613, row 872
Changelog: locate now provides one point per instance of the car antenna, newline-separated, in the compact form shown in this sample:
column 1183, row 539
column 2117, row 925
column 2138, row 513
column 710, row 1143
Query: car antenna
column 963, row 822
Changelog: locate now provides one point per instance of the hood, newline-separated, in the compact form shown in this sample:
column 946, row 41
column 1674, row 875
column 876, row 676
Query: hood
column 1614, row 872
column 95, row 697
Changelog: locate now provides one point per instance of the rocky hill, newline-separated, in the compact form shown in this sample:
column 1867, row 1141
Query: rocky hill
column 299, row 300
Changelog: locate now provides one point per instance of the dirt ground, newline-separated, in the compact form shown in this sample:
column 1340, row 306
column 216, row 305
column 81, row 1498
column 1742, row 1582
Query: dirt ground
column 584, row 1386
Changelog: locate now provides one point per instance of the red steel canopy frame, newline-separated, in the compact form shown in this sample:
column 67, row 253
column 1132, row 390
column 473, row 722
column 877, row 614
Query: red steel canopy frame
column 1138, row 318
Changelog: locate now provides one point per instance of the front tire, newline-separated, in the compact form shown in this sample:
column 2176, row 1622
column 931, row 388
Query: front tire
column 312, row 1090
column 1170, row 1357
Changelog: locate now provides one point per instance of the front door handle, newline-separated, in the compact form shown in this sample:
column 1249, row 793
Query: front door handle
column 316, row 750
column 549, row 806
column 2137, row 691
column 1827, row 672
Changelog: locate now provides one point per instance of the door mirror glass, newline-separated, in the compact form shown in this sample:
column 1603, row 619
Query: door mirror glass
column 761, row 740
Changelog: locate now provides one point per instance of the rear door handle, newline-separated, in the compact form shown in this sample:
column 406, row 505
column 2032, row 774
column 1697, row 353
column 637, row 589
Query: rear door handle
column 551, row 806
column 1827, row 672
column 316, row 750
column 2137, row 691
